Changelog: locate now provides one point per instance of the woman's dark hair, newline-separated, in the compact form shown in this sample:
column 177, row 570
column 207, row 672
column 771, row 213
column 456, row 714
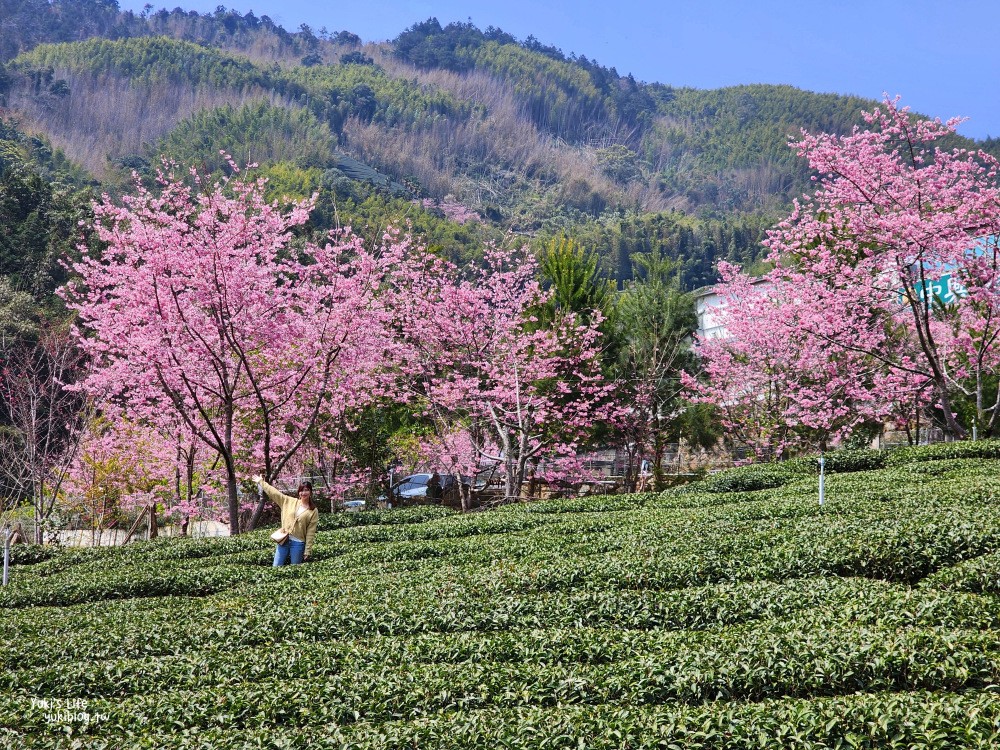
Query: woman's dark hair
column 307, row 486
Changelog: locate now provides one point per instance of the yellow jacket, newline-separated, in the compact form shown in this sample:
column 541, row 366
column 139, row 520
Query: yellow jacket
column 303, row 527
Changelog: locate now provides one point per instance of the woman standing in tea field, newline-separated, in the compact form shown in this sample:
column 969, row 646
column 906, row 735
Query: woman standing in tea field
column 299, row 518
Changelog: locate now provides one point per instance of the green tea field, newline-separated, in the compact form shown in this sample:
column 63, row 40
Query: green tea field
column 732, row 613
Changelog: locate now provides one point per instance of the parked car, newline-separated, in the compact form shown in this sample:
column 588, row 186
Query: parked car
column 353, row 505
column 413, row 488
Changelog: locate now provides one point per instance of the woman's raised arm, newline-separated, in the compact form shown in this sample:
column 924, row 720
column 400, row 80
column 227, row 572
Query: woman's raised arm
column 279, row 497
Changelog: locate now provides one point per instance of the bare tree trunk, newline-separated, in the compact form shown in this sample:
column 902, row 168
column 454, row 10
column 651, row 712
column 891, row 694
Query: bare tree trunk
column 177, row 483
column 508, row 480
column 258, row 510
column 952, row 426
column 231, row 481
column 134, row 528
column 234, row 501
column 38, row 521
column 658, row 447
column 514, row 466
column 632, row 466
column 465, row 494
column 189, row 488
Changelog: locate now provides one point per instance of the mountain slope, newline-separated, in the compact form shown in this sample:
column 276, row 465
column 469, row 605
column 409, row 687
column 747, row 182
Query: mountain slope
column 536, row 142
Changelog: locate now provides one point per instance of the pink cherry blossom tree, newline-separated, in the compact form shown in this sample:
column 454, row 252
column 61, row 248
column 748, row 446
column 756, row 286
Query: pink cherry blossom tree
column 906, row 231
column 776, row 384
column 134, row 464
column 883, row 296
column 476, row 360
column 202, row 309
column 451, row 209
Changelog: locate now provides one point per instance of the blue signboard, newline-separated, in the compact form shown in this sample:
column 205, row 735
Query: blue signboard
column 948, row 288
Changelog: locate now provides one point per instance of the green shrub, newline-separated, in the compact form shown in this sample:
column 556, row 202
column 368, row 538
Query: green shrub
column 980, row 575
column 943, row 451
column 735, row 613
column 393, row 517
column 27, row 554
column 754, row 477
column 854, row 460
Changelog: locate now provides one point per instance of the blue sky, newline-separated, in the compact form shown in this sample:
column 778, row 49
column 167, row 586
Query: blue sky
column 939, row 56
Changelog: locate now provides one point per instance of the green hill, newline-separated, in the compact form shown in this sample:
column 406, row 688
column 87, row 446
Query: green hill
column 725, row 614
column 256, row 132
column 537, row 142
column 43, row 197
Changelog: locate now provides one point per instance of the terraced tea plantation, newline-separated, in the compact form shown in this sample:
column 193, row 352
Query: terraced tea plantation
column 734, row 613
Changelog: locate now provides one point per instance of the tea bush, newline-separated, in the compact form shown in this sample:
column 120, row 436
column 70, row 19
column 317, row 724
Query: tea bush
column 735, row 612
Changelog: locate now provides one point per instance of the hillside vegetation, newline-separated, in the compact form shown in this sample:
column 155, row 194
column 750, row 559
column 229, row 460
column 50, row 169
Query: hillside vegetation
column 43, row 196
column 537, row 142
column 710, row 616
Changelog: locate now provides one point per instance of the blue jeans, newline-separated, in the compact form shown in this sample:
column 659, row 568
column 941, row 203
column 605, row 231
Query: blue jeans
column 290, row 549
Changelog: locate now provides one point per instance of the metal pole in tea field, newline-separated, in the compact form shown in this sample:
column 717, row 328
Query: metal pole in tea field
column 7, row 532
column 822, row 478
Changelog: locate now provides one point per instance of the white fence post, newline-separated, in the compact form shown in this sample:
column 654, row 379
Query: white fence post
column 822, row 478
column 7, row 532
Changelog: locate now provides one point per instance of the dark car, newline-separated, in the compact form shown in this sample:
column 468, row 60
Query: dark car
column 413, row 488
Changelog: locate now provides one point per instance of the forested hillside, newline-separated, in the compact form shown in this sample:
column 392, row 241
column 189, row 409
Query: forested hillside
column 531, row 140
column 42, row 199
